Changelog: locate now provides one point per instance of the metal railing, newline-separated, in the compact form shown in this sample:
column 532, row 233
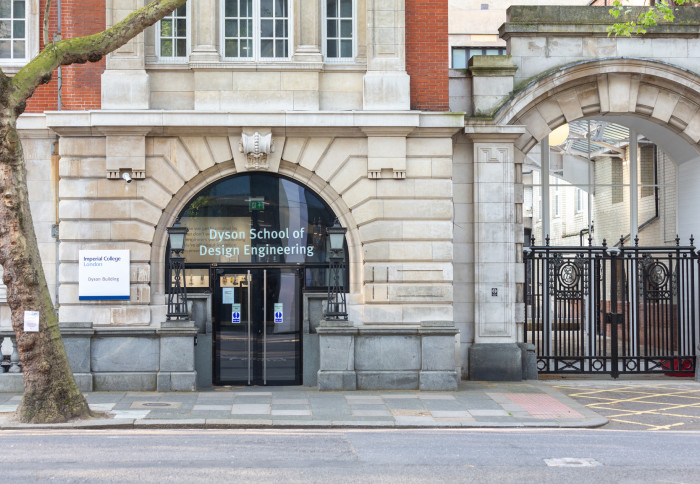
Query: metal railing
column 601, row 309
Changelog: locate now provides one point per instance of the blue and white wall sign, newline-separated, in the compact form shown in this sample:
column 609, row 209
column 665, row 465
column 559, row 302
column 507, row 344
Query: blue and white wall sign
column 235, row 314
column 279, row 313
column 103, row 275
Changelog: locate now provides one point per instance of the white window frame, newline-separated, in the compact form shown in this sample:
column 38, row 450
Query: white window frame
column 256, row 35
column 31, row 38
column 174, row 59
column 324, row 35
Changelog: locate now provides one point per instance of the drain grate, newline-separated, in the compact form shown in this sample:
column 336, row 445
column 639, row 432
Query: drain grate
column 146, row 405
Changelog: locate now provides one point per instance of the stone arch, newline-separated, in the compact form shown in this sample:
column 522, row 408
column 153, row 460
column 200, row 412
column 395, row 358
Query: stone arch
column 222, row 170
column 655, row 91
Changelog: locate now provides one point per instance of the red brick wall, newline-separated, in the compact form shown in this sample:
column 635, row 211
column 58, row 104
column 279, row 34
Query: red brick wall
column 81, row 83
column 427, row 54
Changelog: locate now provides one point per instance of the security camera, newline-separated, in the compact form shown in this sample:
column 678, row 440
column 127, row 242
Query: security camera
column 126, row 177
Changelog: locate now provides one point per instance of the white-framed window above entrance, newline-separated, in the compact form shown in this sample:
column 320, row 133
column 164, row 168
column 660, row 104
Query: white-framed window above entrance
column 339, row 30
column 256, row 30
column 14, row 23
column 173, row 35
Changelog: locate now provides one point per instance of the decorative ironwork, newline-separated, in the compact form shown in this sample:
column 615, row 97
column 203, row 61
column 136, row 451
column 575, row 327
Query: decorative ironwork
column 336, row 308
column 616, row 310
column 177, row 293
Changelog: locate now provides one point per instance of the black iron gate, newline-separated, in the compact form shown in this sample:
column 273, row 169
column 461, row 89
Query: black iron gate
column 612, row 309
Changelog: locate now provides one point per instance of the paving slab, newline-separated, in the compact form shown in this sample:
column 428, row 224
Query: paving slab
column 474, row 404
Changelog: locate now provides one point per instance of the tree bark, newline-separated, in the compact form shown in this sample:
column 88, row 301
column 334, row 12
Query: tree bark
column 50, row 392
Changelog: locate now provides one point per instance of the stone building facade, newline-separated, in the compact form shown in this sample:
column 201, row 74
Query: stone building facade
column 349, row 117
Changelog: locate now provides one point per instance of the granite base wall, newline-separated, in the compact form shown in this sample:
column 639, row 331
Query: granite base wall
column 387, row 357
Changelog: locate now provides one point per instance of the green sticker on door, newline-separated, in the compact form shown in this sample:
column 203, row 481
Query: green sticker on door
column 279, row 313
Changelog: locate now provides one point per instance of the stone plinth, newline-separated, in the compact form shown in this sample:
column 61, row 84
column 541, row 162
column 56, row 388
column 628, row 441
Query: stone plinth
column 387, row 357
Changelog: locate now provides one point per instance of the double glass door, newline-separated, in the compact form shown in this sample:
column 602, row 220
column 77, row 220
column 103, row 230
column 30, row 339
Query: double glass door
column 257, row 333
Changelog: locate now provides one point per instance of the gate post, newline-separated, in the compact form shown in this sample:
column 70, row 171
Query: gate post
column 613, row 319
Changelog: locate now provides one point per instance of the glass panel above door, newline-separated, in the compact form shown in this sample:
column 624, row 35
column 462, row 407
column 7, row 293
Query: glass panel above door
column 256, row 218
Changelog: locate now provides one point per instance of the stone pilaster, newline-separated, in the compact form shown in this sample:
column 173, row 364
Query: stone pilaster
column 204, row 17
column 308, row 27
column 125, row 83
column 386, row 83
column 497, row 244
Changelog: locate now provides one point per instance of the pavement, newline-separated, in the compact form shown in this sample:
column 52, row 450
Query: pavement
column 474, row 404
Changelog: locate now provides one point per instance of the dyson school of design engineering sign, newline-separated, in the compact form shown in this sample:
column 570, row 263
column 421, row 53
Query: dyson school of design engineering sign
column 103, row 275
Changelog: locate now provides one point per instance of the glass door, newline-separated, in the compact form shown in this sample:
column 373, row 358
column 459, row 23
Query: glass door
column 257, row 334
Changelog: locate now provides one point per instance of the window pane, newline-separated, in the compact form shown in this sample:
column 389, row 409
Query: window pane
column 166, row 28
column 4, row 49
column 266, row 8
column 266, row 28
column 332, row 48
column 5, row 29
column 231, row 8
column 280, row 8
column 182, row 27
column 281, row 28
column 266, row 48
column 492, row 51
column 346, row 48
column 5, row 10
column 332, row 8
column 246, row 48
column 231, row 48
column 459, row 58
column 346, row 8
column 246, row 8
column 18, row 29
column 181, row 11
column 231, row 28
column 19, row 9
column 332, row 28
column 346, row 28
column 246, row 28
column 166, row 47
column 280, row 48
column 181, row 47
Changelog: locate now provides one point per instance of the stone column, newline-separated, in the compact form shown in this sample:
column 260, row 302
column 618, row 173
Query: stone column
column 386, row 83
column 307, row 25
column 204, row 17
column 498, row 238
column 125, row 83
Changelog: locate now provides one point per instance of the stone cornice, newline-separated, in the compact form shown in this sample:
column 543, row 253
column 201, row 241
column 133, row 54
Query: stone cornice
column 89, row 123
column 580, row 21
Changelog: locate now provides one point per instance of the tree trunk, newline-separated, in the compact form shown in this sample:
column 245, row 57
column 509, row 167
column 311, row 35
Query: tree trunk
column 50, row 392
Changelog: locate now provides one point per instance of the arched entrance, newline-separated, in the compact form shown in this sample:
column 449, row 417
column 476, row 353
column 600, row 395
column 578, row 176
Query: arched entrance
column 615, row 305
column 256, row 244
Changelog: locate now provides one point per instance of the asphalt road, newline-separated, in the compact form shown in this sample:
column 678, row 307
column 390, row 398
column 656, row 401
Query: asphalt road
column 655, row 405
column 281, row 456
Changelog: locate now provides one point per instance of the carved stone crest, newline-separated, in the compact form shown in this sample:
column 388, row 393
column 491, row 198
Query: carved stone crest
column 256, row 147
